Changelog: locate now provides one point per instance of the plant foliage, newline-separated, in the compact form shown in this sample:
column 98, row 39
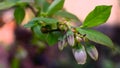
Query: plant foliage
column 52, row 25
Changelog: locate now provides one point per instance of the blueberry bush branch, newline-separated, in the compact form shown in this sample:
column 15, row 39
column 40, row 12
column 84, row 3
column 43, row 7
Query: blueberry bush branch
column 52, row 25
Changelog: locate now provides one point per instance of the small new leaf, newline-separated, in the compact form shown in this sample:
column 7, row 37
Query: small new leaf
column 29, row 24
column 55, row 6
column 19, row 14
column 6, row 5
column 97, row 17
column 67, row 15
column 36, row 30
column 45, row 20
column 43, row 3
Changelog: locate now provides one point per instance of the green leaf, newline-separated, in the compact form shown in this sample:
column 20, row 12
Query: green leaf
column 52, row 38
column 38, row 34
column 6, row 5
column 12, row 1
column 97, row 17
column 43, row 4
column 45, row 20
column 27, row 1
column 29, row 25
column 67, row 15
column 55, row 6
column 19, row 14
column 96, row 36
column 48, row 20
column 37, row 31
column 19, row 1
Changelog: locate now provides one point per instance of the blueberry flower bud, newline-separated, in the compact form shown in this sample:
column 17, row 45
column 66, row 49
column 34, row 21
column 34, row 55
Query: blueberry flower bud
column 92, row 51
column 78, row 39
column 61, row 44
column 80, row 55
column 71, row 40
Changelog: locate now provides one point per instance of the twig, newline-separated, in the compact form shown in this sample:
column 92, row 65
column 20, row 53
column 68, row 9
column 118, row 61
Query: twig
column 33, row 10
